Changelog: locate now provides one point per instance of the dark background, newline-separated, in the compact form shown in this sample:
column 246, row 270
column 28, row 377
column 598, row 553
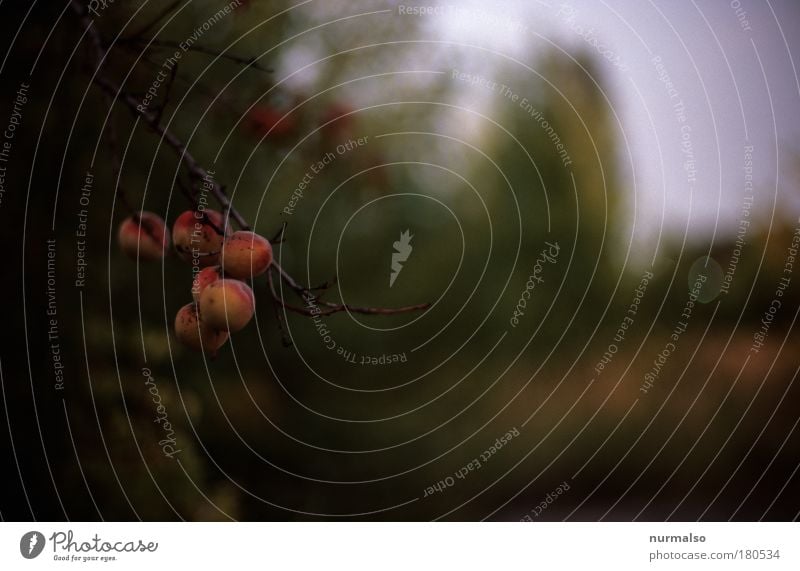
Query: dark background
column 273, row 432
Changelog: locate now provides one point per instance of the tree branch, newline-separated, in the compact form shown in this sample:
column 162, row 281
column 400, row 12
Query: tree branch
column 196, row 171
column 147, row 27
column 315, row 305
column 246, row 62
column 165, row 101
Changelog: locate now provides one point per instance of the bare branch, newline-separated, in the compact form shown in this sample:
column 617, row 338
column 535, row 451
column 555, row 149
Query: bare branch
column 188, row 81
column 196, row 171
column 280, row 318
column 278, row 237
column 165, row 101
column 318, row 307
column 149, row 26
column 246, row 62
column 315, row 306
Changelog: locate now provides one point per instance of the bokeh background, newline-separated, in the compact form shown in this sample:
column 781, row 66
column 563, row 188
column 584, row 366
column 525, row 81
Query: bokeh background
column 652, row 146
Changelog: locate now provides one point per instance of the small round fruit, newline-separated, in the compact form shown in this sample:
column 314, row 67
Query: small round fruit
column 227, row 304
column 266, row 121
column 195, row 333
column 246, row 255
column 197, row 237
column 203, row 278
column 144, row 236
column 337, row 121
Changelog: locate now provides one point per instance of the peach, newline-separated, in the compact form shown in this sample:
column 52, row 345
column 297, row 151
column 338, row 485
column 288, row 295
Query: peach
column 195, row 333
column 246, row 255
column 144, row 236
column 227, row 304
column 197, row 236
column 203, row 278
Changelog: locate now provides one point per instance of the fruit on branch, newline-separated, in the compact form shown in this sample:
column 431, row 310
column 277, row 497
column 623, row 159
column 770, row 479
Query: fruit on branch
column 198, row 236
column 144, row 236
column 195, row 333
column 337, row 122
column 246, row 255
column 203, row 278
column 264, row 120
column 227, row 304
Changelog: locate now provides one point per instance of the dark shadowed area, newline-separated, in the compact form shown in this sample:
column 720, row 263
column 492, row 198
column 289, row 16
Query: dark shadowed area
column 590, row 211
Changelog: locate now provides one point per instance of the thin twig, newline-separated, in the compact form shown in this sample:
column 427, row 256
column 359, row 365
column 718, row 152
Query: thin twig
column 149, row 26
column 113, row 139
column 278, row 237
column 316, row 302
column 188, row 192
column 116, row 165
column 246, row 62
column 197, row 174
column 167, row 91
column 196, row 171
column 189, row 82
column 285, row 339
column 325, row 285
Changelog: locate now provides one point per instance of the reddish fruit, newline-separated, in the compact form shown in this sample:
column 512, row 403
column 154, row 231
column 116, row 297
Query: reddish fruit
column 197, row 236
column 337, row 120
column 246, row 255
column 227, row 304
column 263, row 121
column 146, row 238
column 203, row 278
column 195, row 333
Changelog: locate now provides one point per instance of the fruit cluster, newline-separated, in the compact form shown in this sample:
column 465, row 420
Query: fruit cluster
column 222, row 262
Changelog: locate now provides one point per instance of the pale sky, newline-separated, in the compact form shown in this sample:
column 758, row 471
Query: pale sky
column 736, row 78
column 730, row 63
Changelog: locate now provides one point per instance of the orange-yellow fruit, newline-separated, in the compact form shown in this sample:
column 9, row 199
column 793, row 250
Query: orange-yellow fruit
column 203, row 278
column 227, row 304
column 246, row 255
column 197, row 236
column 195, row 333
column 146, row 238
